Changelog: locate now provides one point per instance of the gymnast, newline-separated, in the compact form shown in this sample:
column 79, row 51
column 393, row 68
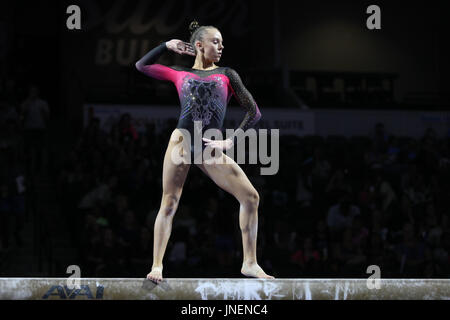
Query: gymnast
column 204, row 92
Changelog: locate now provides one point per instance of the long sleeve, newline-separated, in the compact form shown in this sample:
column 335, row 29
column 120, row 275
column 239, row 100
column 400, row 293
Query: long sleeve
column 147, row 64
column 245, row 99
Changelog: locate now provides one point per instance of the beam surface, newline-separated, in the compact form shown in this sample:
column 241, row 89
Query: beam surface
column 223, row 289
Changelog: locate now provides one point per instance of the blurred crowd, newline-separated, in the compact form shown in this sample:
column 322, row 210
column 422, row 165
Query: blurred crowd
column 337, row 206
column 24, row 122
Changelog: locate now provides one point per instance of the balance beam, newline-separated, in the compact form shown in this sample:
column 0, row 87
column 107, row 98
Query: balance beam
column 223, row 289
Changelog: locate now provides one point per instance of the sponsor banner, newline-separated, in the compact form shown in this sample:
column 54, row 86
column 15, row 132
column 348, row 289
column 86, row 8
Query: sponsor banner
column 288, row 121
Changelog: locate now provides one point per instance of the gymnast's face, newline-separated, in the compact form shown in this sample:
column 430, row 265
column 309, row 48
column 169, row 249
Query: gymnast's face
column 212, row 45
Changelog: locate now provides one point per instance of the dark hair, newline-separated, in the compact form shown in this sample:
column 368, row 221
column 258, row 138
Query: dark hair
column 197, row 31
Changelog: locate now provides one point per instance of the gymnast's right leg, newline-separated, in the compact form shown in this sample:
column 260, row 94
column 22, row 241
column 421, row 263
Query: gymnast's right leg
column 174, row 176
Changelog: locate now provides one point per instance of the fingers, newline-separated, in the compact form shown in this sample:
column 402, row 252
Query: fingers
column 211, row 143
column 191, row 53
column 182, row 47
column 215, row 145
column 189, row 49
column 185, row 47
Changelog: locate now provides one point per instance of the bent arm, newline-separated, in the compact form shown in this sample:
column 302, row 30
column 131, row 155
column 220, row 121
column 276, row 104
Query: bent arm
column 246, row 100
column 147, row 65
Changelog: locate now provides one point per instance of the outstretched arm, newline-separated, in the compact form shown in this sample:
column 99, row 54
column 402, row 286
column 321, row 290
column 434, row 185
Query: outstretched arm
column 147, row 64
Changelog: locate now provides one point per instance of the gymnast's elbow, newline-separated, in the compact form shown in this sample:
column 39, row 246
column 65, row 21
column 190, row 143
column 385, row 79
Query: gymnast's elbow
column 139, row 65
column 257, row 115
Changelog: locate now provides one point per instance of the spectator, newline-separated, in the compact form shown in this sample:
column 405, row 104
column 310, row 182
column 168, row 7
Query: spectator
column 359, row 232
column 224, row 249
column 36, row 117
column 111, row 258
column 280, row 247
column 321, row 170
column 338, row 185
column 306, row 257
column 410, row 252
column 91, row 245
column 101, row 194
column 127, row 130
column 376, row 249
column 142, row 252
column 416, row 193
column 18, row 206
column 352, row 255
column 340, row 216
column 322, row 239
column 303, row 195
column 178, row 250
column 441, row 253
column 6, row 211
column 367, row 196
column 10, row 149
column 93, row 134
column 432, row 232
column 429, row 155
column 128, row 233
column 380, row 139
column 9, row 101
column 385, row 193
column 393, row 151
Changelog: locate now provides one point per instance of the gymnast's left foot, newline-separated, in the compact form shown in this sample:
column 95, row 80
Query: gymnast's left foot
column 254, row 270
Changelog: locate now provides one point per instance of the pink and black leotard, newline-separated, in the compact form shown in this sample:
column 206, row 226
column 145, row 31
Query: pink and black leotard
column 203, row 94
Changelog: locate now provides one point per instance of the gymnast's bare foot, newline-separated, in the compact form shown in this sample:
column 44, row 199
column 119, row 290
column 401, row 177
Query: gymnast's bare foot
column 155, row 275
column 254, row 270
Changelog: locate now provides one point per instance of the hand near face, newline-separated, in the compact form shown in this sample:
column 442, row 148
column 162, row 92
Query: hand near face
column 180, row 47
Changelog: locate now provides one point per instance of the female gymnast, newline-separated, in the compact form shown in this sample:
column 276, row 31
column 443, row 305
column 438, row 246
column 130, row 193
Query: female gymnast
column 204, row 91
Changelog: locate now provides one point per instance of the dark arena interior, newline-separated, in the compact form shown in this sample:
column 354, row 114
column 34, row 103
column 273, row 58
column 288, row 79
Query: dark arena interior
column 353, row 192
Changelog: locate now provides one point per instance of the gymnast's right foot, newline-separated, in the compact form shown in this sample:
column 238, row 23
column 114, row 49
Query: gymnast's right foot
column 253, row 270
column 155, row 275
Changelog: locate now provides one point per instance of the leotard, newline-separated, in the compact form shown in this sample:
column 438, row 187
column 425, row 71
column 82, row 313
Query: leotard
column 203, row 94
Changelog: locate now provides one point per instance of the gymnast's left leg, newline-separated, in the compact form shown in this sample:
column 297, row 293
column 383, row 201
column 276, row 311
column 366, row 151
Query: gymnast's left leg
column 230, row 177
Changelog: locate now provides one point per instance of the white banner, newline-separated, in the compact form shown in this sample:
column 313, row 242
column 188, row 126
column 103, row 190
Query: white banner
column 288, row 121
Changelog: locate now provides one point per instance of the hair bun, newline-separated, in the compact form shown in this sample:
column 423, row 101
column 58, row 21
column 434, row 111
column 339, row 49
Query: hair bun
column 193, row 26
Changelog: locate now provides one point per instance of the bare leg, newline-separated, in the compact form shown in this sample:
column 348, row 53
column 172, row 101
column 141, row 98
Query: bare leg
column 231, row 178
column 174, row 177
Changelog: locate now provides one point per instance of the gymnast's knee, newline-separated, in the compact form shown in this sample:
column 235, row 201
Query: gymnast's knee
column 169, row 204
column 251, row 201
